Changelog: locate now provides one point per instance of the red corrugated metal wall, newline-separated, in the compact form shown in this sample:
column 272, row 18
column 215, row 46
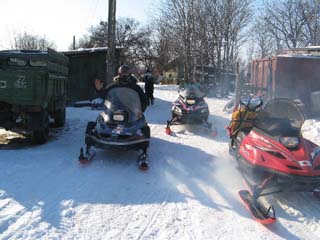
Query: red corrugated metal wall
column 292, row 76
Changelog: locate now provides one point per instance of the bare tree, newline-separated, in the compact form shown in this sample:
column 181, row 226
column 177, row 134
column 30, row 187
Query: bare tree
column 263, row 39
column 176, row 18
column 286, row 20
column 311, row 15
column 130, row 35
column 163, row 46
column 286, row 24
column 27, row 41
column 205, row 31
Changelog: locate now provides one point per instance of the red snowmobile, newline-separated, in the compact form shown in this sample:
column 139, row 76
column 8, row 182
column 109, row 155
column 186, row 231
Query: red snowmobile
column 273, row 156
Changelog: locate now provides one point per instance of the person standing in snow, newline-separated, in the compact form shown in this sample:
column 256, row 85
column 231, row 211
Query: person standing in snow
column 124, row 79
column 148, row 87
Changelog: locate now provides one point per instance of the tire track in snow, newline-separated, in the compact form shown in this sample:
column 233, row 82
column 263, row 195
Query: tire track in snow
column 179, row 210
column 153, row 217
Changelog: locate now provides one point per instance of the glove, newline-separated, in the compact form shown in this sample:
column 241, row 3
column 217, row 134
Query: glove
column 97, row 101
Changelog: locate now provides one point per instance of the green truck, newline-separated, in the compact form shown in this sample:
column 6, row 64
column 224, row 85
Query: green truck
column 32, row 88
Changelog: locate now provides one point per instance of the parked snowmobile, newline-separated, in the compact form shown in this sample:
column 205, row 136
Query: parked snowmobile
column 190, row 108
column 273, row 156
column 121, row 124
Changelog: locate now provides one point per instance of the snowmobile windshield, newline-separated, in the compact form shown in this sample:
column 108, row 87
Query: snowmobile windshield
column 192, row 91
column 280, row 117
column 124, row 99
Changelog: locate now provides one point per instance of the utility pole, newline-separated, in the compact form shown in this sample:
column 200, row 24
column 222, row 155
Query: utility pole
column 74, row 43
column 111, row 41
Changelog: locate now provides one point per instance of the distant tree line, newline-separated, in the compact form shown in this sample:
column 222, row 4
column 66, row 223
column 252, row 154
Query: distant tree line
column 204, row 33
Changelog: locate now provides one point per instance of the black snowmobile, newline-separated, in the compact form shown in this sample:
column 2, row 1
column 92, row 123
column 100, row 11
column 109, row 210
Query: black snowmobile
column 121, row 124
column 190, row 108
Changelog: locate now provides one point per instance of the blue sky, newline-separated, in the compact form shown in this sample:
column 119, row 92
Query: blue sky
column 59, row 20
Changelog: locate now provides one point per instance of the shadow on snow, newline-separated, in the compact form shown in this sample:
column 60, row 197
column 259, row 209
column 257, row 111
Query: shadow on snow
column 113, row 178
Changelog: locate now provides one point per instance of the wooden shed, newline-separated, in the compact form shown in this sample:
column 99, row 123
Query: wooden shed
column 294, row 76
column 84, row 66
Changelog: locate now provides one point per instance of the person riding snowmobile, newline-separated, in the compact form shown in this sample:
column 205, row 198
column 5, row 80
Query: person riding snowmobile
column 238, row 120
column 124, row 79
column 121, row 124
column 242, row 119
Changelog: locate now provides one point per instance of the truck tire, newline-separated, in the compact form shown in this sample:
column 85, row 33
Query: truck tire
column 41, row 135
column 59, row 117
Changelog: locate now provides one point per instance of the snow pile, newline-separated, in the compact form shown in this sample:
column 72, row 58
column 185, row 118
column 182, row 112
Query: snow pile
column 311, row 130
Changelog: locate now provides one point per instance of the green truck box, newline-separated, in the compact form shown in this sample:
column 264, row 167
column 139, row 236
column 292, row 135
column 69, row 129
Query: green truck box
column 32, row 88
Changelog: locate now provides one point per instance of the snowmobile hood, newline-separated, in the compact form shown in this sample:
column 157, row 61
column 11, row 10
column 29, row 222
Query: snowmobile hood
column 265, row 151
column 199, row 104
column 132, row 129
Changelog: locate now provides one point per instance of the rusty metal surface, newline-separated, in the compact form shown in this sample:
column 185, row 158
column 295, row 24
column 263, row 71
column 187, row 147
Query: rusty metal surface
column 289, row 76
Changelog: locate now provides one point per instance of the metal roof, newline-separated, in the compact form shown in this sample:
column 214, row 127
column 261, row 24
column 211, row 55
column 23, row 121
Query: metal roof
column 88, row 50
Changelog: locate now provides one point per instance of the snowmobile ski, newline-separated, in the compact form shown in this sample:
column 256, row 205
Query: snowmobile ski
column 260, row 213
column 143, row 162
column 214, row 132
column 86, row 158
column 168, row 131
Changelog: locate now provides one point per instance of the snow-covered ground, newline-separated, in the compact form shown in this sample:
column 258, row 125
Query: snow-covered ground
column 190, row 191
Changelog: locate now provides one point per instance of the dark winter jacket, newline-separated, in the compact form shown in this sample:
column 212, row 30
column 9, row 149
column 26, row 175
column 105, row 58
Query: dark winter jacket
column 148, row 85
column 130, row 79
column 123, row 82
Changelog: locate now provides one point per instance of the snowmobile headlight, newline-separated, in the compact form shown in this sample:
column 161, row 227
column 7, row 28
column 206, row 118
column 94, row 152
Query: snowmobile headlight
column 191, row 101
column 204, row 110
column 105, row 117
column 118, row 117
column 289, row 142
column 176, row 109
